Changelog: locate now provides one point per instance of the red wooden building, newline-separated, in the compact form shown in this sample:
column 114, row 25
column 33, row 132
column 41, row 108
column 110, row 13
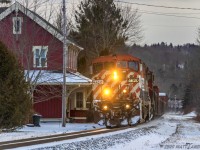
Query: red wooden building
column 39, row 47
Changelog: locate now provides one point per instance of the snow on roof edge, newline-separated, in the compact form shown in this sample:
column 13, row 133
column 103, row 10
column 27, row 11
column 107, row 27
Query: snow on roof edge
column 51, row 77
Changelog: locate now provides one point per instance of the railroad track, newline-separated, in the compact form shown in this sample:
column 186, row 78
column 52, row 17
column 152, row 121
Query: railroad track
column 56, row 138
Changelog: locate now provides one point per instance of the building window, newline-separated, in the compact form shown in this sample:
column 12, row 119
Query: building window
column 40, row 56
column 79, row 100
column 17, row 25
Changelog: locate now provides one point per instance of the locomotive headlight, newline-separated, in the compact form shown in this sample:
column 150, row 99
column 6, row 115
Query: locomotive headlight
column 124, row 91
column 106, row 92
column 105, row 107
column 115, row 75
column 127, row 106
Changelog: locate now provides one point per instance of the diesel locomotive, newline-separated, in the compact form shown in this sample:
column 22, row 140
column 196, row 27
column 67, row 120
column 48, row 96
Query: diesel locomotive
column 123, row 90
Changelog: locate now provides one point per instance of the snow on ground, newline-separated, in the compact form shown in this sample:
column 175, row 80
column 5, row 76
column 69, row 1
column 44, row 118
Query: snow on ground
column 171, row 131
column 48, row 128
column 192, row 114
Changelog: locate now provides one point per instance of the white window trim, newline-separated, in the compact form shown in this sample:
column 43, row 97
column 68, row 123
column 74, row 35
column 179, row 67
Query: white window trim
column 34, row 58
column 80, row 108
column 20, row 28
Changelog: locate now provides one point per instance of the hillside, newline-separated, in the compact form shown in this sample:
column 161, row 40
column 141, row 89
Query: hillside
column 173, row 66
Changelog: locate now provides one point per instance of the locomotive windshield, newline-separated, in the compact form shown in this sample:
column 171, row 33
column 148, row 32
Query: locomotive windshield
column 97, row 67
column 133, row 65
column 109, row 65
column 122, row 64
column 130, row 64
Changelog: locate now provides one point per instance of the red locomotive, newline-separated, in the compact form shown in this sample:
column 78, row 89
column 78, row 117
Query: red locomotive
column 123, row 89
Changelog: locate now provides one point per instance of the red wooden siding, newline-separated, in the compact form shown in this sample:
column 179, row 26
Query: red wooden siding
column 49, row 109
column 32, row 35
column 47, row 98
column 78, row 113
column 48, row 101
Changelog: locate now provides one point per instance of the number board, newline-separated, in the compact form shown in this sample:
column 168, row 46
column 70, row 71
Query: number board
column 97, row 81
column 133, row 80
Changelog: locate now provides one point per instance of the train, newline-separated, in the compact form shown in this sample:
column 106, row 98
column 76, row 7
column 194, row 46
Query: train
column 123, row 90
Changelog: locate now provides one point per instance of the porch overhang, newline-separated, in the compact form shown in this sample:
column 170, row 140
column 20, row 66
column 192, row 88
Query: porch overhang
column 44, row 77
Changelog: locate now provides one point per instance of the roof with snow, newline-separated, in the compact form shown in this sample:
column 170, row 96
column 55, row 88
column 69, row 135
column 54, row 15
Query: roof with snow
column 44, row 77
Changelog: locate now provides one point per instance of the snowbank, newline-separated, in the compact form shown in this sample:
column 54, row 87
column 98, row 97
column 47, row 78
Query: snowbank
column 191, row 114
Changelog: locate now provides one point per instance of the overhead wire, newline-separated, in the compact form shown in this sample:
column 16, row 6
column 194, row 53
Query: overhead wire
column 160, row 6
column 172, row 13
column 164, row 14
column 168, row 26
column 151, row 12
column 169, row 15
column 185, row 15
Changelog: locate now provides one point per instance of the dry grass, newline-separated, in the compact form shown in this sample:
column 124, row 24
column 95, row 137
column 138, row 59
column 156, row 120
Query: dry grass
column 188, row 110
column 197, row 118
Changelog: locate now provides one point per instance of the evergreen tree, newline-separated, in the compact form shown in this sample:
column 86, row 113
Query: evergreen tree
column 187, row 97
column 15, row 102
column 99, row 27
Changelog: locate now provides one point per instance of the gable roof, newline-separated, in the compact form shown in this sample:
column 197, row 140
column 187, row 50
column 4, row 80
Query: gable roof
column 5, row 11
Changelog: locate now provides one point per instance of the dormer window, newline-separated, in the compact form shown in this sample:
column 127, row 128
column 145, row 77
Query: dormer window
column 17, row 25
column 40, row 56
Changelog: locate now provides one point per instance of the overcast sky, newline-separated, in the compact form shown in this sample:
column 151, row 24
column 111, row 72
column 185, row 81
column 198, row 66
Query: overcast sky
column 158, row 25
column 170, row 29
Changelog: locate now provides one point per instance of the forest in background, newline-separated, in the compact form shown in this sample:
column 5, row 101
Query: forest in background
column 176, row 68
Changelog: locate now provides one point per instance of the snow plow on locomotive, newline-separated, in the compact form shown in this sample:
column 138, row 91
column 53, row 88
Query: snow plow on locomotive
column 123, row 90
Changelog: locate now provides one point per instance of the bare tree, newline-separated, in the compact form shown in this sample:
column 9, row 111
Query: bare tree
column 58, row 18
column 198, row 36
column 134, row 28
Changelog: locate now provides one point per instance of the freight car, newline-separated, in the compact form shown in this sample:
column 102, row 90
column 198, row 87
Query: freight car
column 123, row 89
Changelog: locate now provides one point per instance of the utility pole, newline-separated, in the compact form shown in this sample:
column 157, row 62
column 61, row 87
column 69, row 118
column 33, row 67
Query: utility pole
column 65, row 50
